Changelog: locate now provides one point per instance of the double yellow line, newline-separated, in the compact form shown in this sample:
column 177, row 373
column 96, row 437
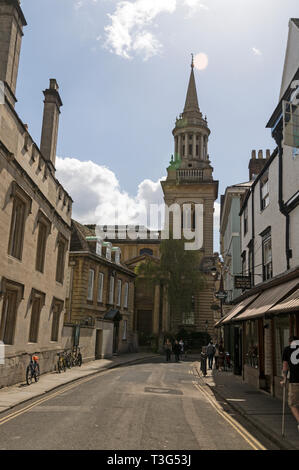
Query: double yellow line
column 254, row 443
column 27, row 408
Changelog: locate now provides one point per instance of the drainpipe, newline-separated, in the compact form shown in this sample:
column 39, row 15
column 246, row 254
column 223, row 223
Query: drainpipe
column 278, row 136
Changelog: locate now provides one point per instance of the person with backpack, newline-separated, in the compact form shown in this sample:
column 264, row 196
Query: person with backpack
column 210, row 354
column 176, row 350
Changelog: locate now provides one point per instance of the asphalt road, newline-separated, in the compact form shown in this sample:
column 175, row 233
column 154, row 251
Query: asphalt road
column 151, row 405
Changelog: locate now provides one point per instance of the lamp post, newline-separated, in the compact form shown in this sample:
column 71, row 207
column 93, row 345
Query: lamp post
column 221, row 294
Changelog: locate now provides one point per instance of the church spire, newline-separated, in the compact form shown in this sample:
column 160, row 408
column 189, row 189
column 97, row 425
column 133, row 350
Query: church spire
column 191, row 103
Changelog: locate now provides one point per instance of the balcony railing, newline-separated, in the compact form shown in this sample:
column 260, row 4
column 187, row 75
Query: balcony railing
column 190, row 176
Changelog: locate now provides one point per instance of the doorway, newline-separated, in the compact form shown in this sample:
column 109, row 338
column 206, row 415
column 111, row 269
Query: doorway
column 99, row 344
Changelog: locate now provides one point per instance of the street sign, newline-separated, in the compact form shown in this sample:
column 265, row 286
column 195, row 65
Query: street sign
column 242, row 282
column 221, row 294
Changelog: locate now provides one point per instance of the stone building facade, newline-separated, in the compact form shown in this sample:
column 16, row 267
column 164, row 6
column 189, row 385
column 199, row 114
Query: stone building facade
column 35, row 220
column 190, row 182
column 100, row 294
column 267, row 314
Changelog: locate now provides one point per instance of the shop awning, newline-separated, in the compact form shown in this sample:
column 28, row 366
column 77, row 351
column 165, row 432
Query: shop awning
column 290, row 304
column 236, row 310
column 268, row 299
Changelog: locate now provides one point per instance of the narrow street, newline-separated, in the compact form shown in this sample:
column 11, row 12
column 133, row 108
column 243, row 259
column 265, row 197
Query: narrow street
column 150, row 405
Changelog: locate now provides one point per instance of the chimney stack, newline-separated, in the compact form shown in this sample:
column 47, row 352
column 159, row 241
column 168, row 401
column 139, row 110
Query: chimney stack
column 52, row 104
column 257, row 164
column 12, row 21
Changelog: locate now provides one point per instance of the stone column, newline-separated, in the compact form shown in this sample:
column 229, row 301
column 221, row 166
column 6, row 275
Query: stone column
column 156, row 311
column 186, row 145
column 165, row 315
column 202, row 147
column 194, row 147
column 180, row 145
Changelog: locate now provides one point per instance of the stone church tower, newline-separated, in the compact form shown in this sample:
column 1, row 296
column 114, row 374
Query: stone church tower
column 190, row 181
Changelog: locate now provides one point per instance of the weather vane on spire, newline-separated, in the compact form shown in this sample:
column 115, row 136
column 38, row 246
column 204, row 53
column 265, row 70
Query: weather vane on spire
column 192, row 62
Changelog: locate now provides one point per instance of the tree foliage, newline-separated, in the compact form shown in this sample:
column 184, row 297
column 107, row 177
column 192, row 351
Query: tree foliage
column 178, row 270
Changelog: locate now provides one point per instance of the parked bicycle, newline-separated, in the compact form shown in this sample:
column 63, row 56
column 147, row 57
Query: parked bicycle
column 77, row 356
column 61, row 363
column 33, row 370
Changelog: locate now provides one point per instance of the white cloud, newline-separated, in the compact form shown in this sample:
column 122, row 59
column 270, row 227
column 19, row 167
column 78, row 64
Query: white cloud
column 194, row 6
column 256, row 51
column 97, row 195
column 128, row 31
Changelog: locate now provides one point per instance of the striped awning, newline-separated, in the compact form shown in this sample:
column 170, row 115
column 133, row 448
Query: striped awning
column 290, row 304
column 236, row 310
column 267, row 299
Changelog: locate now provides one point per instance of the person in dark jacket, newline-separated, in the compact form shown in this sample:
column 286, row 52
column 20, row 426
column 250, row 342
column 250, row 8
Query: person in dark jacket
column 210, row 354
column 168, row 349
column 177, row 350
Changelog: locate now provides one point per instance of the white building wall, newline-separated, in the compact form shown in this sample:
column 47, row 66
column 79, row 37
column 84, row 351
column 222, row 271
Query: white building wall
column 270, row 216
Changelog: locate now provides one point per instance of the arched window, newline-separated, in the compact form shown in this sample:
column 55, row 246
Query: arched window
column 146, row 251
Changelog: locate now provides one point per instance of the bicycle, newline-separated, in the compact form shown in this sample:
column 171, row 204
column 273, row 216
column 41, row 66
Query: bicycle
column 77, row 356
column 61, row 365
column 33, row 370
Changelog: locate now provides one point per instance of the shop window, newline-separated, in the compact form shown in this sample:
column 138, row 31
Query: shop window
column 251, row 343
column 282, row 333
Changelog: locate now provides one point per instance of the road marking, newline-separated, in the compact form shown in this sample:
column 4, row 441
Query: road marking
column 254, row 443
column 27, row 408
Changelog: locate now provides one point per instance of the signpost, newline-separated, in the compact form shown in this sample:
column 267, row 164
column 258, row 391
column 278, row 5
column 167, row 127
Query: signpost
column 242, row 282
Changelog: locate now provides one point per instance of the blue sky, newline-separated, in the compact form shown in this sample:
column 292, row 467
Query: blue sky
column 123, row 70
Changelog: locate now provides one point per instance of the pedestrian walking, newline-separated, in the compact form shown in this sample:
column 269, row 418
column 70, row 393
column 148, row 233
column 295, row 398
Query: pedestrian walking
column 203, row 360
column 176, row 349
column 168, row 349
column 216, row 355
column 181, row 343
column 290, row 363
column 210, row 354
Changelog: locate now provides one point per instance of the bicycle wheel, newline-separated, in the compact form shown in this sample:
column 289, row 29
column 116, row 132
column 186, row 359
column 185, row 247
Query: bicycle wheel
column 36, row 373
column 28, row 375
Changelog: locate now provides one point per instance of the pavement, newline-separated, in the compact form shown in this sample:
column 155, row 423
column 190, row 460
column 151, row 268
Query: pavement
column 21, row 392
column 257, row 407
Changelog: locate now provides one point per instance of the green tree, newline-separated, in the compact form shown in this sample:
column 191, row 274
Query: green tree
column 178, row 270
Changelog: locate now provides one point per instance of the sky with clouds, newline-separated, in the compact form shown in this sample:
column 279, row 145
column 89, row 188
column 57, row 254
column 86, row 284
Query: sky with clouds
column 123, row 69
